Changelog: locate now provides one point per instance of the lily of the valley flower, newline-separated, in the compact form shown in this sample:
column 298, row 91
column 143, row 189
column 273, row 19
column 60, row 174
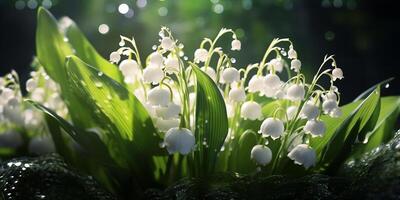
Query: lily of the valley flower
column 337, row 73
column 167, row 43
column 237, row 94
column 115, row 57
column 153, row 74
column 159, row 96
column 261, row 154
column 236, row 45
column 295, row 92
column 272, row 127
column 295, row 65
column 304, row 155
column 315, row 128
column 230, row 75
column 210, row 72
column 251, row 110
column 200, row 55
column 179, row 140
column 310, row 111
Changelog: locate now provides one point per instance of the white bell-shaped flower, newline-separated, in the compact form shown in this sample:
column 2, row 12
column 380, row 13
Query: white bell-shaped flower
column 210, row 72
column 315, row 128
column 251, row 110
column 115, row 57
column 179, row 140
column 256, row 83
column 41, row 145
column 130, row 69
column 156, row 59
column 237, row 94
column 337, row 112
column 261, row 154
column 295, row 65
column 304, row 155
column 167, row 43
column 272, row 81
column 31, row 84
column 230, row 75
column 172, row 110
column 236, row 45
column 310, row 111
column 153, row 74
column 291, row 112
column 330, row 96
column 329, row 105
column 172, row 64
column 337, row 73
column 292, row 54
column 200, row 55
column 273, row 91
column 164, row 125
column 159, row 96
column 272, row 127
column 276, row 64
column 38, row 94
column 295, row 92
column 10, row 139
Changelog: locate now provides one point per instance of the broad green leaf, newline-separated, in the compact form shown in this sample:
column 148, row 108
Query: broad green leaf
column 114, row 105
column 384, row 129
column 211, row 121
column 51, row 50
column 243, row 161
column 85, row 51
column 362, row 120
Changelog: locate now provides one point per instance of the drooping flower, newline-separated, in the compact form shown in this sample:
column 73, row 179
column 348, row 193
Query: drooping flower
column 304, row 155
column 291, row 112
column 272, row 81
column 329, row 105
column 315, row 128
column 276, row 64
column 130, row 69
column 230, row 75
column 200, row 55
column 179, row 140
column 156, row 59
column 295, row 92
column 272, row 127
column 337, row 73
column 237, row 94
column 256, row 84
column 153, row 74
column 236, row 45
column 295, row 65
column 172, row 64
column 292, row 54
column 115, row 57
column 159, row 96
column 251, row 110
column 167, row 43
column 164, row 125
column 172, row 110
column 310, row 111
column 261, row 154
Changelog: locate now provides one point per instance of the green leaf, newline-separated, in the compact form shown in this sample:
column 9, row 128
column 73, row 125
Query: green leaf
column 384, row 129
column 115, row 108
column 211, row 122
column 85, row 51
column 354, row 128
column 243, row 161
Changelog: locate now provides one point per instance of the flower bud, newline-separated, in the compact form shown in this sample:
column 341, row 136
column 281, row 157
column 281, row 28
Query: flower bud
column 272, row 127
column 115, row 57
column 295, row 64
column 295, row 92
column 153, row 74
column 210, row 72
column 237, row 94
column 230, row 75
column 251, row 110
column 304, row 155
column 310, row 111
column 337, row 73
column 292, row 54
column 167, row 43
column 236, row 45
column 159, row 96
column 315, row 128
column 200, row 55
column 179, row 140
column 261, row 154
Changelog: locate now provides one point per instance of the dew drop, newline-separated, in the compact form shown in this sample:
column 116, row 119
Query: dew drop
column 185, row 58
column 100, row 73
column 283, row 53
column 387, row 85
column 98, row 84
column 154, row 47
column 66, row 39
column 233, row 60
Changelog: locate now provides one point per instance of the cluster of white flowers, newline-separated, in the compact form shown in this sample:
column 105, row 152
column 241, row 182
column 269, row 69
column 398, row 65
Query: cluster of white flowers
column 164, row 87
column 15, row 114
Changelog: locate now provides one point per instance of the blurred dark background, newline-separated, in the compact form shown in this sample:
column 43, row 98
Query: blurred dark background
column 363, row 34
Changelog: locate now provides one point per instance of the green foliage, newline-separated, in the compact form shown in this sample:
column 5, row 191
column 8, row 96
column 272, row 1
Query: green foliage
column 211, row 122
